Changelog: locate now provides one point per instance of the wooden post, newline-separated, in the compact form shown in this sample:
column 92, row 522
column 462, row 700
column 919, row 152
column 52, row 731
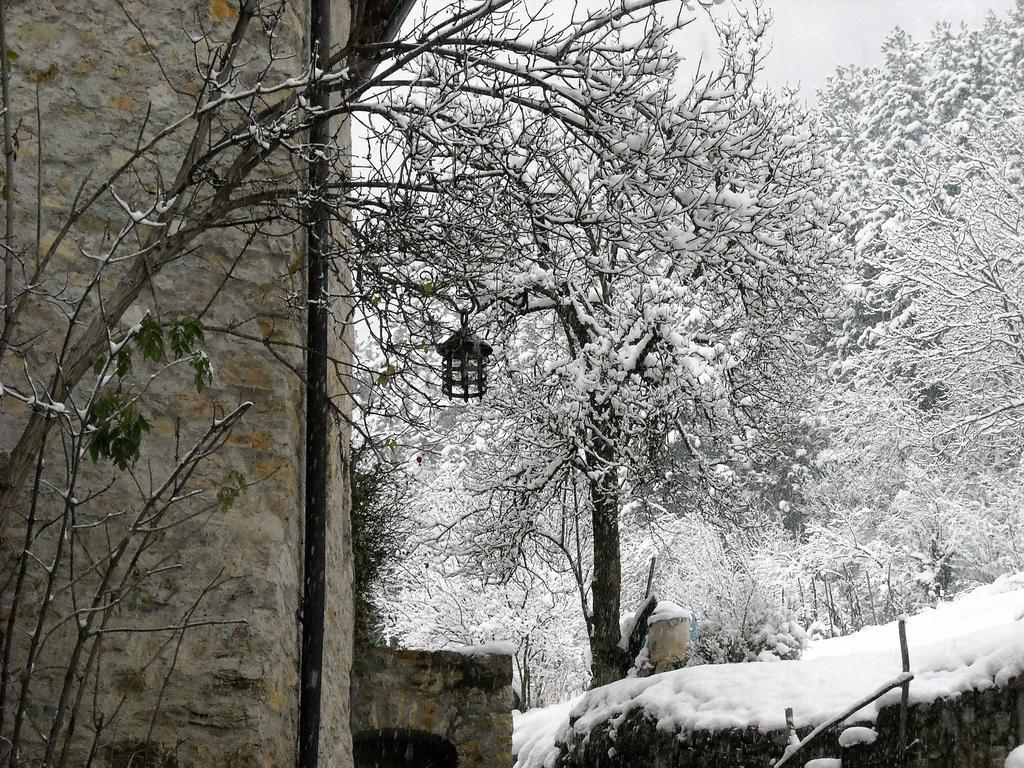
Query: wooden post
column 793, row 738
column 793, row 749
column 650, row 579
column 318, row 411
column 905, row 690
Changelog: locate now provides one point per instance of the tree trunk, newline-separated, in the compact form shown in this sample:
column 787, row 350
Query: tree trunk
column 607, row 658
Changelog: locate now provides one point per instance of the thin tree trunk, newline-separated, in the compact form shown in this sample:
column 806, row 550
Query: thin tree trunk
column 8, row 184
column 853, row 596
column 871, row 598
column 814, row 592
column 888, row 597
column 607, row 657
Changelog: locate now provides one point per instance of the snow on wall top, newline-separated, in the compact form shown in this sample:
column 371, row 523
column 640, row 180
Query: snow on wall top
column 498, row 648
column 973, row 642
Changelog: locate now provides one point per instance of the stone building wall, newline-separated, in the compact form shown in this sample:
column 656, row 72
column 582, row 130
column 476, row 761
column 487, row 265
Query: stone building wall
column 461, row 699
column 976, row 729
column 105, row 73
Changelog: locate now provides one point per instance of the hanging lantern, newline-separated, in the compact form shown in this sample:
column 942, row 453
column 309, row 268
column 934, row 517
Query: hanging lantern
column 463, row 359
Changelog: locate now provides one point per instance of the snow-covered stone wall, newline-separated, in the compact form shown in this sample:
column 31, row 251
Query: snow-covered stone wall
column 975, row 729
column 966, row 698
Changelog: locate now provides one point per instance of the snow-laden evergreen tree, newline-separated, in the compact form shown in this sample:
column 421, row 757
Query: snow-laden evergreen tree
column 925, row 410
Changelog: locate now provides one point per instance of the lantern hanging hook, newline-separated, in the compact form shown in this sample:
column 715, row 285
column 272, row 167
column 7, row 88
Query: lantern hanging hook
column 464, row 314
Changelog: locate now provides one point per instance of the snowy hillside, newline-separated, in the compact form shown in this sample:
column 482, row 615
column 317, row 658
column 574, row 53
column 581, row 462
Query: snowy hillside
column 973, row 642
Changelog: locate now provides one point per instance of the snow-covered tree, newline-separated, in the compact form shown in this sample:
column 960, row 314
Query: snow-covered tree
column 659, row 275
column 923, row 409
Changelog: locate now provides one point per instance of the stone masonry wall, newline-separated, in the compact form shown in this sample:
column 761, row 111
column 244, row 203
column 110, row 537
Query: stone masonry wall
column 976, row 729
column 465, row 699
column 227, row 691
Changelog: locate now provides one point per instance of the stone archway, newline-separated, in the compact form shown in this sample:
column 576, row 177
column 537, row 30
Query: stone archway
column 432, row 709
column 402, row 748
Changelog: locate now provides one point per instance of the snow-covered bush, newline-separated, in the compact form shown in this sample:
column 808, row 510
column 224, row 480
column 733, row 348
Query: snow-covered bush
column 933, row 539
column 748, row 624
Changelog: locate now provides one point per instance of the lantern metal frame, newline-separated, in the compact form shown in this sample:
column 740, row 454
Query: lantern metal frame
column 463, row 363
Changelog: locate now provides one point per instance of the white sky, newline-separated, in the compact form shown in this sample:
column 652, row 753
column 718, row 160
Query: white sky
column 810, row 38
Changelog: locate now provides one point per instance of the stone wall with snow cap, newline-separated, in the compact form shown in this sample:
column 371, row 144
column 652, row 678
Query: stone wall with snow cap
column 966, row 699
column 457, row 700
column 974, row 729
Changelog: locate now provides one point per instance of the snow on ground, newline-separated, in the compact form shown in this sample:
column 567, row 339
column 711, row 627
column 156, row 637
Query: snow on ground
column 973, row 642
column 989, row 606
column 534, row 732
